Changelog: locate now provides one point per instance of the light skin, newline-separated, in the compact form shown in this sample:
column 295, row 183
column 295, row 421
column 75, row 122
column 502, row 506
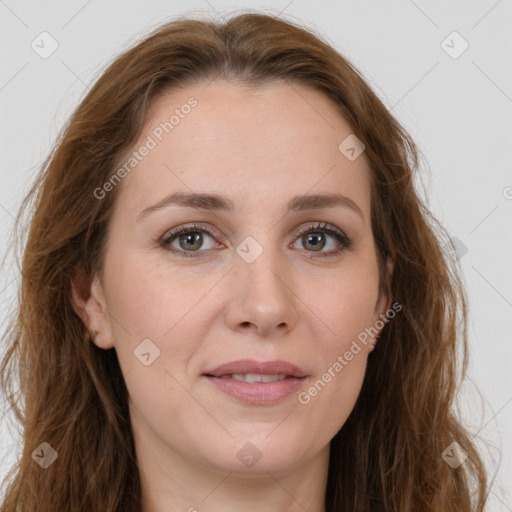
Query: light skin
column 259, row 149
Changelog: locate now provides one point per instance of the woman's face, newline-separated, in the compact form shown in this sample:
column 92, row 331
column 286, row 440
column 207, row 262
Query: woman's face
column 244, row 281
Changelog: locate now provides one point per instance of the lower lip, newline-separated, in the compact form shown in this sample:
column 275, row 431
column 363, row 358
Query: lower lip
column 257, row 392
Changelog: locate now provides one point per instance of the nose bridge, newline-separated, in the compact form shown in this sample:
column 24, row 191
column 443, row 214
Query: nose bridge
column 262, row 291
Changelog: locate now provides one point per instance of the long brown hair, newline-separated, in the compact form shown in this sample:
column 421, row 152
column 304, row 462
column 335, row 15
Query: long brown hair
column 388, row 454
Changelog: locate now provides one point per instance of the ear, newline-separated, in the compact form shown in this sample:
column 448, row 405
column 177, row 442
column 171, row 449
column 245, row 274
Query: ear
column 89, row 303
column 383, row 305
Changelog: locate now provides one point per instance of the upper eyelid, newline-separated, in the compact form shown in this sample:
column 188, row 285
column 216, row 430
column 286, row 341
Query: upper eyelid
column 195, row 226
column 342, row 239
column 210, row 230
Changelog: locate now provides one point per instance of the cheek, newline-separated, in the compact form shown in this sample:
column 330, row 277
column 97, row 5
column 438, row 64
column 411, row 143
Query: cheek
column 330, row 397
column 159, row 402
column 346, row 304
column 153, row 298
column 148, row 303
column 347, row 312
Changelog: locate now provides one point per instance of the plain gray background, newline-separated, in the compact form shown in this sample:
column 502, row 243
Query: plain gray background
column 457, row 106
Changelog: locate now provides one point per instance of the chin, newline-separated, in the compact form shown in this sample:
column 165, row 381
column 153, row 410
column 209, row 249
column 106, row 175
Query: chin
column 258, row 454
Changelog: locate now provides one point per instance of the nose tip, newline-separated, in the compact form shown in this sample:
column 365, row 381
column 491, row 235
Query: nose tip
column 263, row 328
column 263, row 300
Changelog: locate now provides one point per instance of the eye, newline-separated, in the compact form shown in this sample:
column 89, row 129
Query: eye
column 312, row 239
column 186, row 241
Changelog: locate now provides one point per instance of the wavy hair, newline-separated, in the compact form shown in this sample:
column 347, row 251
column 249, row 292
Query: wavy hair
column 72, row 395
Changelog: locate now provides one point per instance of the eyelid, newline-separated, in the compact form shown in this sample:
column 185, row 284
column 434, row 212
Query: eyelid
column 320, row 226
column 193, row 227
column 325, row 227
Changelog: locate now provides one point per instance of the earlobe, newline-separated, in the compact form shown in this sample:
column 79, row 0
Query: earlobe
column 388, row 299
column 372, row 344
column 88, row 300
column 390, row 268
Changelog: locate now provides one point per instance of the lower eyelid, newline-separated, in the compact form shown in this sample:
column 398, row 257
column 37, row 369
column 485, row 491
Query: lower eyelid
column 344, row 243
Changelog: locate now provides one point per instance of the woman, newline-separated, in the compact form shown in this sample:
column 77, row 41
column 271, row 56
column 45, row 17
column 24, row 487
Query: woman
column 181, row 344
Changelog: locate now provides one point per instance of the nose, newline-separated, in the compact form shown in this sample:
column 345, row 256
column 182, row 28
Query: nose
column 262, row 297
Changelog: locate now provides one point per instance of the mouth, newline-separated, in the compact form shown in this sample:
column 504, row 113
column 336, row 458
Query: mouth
column 244, row 367
column 255, row 382
column 254, row 377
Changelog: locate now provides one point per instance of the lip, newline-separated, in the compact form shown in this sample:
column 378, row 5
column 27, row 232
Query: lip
column 261, row 367
column 257, row 393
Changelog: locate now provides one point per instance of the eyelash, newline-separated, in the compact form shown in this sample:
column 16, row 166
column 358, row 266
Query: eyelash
column 339, row 236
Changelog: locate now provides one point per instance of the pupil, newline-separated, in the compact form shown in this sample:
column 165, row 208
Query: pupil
column 194, row 238
column 313, row 236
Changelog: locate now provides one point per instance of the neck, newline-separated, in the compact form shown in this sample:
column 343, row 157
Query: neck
column 171, row 481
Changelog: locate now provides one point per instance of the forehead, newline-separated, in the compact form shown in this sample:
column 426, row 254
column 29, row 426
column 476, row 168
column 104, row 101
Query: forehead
column 266, row 144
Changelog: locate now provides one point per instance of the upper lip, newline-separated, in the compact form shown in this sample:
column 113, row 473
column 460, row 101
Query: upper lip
column 258, row 367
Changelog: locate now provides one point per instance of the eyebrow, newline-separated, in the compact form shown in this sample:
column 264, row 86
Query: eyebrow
column 221, row 203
